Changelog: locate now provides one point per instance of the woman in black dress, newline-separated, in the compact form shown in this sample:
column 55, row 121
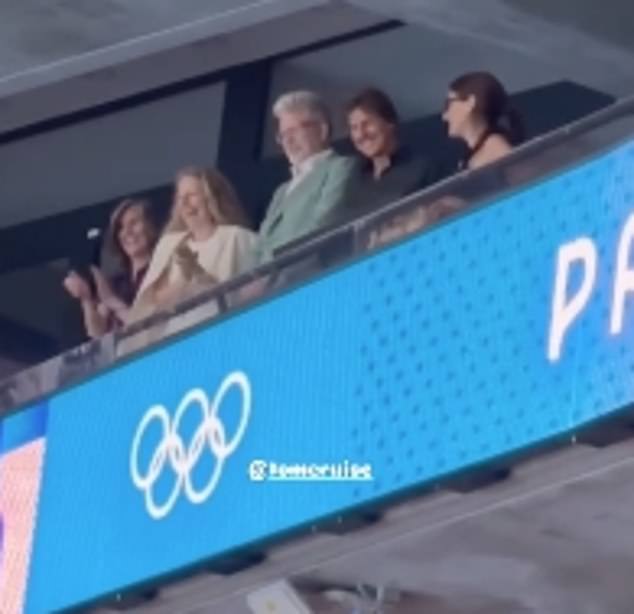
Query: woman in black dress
column 478, row 111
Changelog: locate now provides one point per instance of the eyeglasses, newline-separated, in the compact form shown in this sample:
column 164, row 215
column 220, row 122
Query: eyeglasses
column 449, row 101
column 290, row 133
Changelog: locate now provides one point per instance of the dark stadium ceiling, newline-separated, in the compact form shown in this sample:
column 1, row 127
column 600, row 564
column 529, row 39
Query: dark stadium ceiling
column 590, row 40
column 59, row 56
column 111, row 48
column 51, row 39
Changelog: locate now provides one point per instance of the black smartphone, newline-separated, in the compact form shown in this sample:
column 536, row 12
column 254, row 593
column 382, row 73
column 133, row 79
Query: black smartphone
column 89, row 255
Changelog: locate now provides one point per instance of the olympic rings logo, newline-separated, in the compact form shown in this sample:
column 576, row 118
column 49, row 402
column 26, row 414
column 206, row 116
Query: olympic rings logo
column 182, row 459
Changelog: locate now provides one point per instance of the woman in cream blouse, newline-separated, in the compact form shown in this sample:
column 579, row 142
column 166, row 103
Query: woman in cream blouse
column 205, row 243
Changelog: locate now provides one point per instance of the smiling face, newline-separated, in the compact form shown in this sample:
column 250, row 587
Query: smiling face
column 192, row 204
column 371, row 135
column 301, row 135
column 135, row 232
column 457, row 114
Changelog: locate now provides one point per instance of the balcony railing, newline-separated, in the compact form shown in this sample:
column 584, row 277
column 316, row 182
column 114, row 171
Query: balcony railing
column 329, row 248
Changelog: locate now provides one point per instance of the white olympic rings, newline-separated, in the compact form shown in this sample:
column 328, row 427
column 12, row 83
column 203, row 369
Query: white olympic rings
column 211, row 433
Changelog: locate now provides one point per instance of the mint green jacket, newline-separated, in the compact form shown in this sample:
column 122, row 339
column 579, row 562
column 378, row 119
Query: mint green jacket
column 316, row 198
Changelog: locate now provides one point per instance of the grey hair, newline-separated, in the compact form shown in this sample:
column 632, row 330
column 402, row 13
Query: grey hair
column 303, row 101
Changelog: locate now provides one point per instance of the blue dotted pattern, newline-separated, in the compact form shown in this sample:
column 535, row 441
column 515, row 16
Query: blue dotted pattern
column 421, row 359
column 457, row 330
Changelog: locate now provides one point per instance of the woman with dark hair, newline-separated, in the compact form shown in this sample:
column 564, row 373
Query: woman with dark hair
column 388, row 170
column 130, row 241
column 479, row 112
column 206, row 242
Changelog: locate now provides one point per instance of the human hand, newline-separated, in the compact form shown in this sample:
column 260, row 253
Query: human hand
column 252, row 290
column 104, row 289
column 445, row 207
column 186, row 260
column 107, row 296
column 77, row 287
column 401, row 226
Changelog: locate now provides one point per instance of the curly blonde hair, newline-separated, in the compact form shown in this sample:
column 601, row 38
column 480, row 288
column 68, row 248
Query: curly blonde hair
column 222, row 200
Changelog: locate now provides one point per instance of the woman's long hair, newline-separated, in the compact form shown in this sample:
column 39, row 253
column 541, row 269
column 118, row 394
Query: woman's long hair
column 492, row 104
column 222, row 200
column 112, row 249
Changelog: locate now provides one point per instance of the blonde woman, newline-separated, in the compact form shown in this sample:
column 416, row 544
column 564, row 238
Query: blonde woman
column 205, row 242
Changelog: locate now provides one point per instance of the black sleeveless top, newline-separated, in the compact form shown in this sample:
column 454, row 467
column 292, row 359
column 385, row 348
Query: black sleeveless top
column 464, row 163
column 482, row 184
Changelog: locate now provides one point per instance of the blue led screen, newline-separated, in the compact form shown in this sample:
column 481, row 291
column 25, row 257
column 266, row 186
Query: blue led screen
column 509, row 325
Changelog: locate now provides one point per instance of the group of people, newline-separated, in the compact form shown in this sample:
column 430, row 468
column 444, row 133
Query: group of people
column 208, row 238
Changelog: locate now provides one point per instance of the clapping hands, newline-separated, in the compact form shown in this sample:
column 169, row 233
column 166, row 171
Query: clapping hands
column 187, row 261
column 107, row 295
column 77, row 287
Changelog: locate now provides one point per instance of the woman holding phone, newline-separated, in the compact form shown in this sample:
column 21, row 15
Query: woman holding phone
column 130, row 240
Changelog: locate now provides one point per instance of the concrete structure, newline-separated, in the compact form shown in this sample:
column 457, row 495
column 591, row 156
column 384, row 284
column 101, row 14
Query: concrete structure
column 62, row 58
column 557, row 537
